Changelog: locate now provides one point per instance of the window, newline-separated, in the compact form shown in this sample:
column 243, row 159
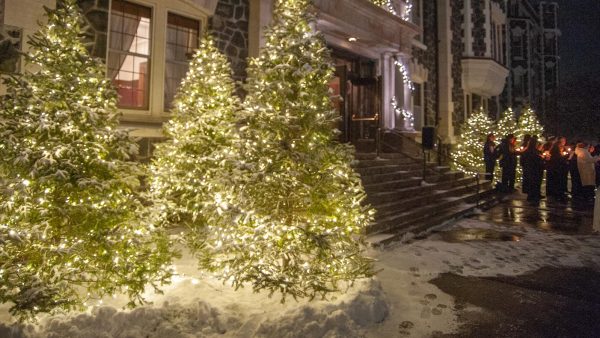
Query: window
column 517, row 46
column 129, row 53
column 182, row 40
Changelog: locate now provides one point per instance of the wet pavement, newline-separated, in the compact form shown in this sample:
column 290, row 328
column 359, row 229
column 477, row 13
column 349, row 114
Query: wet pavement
column 569, row 218
column 550, row 302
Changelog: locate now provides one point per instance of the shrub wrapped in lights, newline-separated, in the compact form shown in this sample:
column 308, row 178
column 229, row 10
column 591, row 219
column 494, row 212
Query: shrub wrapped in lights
column 70, row 211
column 293, row 222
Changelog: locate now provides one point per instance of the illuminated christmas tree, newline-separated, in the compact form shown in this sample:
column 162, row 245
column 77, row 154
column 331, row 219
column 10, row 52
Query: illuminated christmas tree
column 294, row 221
column 506, row 125
column 467, row 155
column 70, row 226
column 198, row 159
column 529, row 124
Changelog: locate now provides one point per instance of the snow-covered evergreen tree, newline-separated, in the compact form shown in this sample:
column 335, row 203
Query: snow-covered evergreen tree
column 293, row 222
column 467, row 155
column 507, row 124
column 69, row 204
column 196, row 162
column 529, row 124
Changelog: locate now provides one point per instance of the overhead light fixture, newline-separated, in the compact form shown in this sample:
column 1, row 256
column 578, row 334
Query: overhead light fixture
column 352, row 39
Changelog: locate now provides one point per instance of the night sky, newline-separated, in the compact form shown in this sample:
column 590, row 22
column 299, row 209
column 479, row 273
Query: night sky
column 579, row 21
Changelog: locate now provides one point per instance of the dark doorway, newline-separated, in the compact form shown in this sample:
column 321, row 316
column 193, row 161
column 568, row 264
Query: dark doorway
column 357, row 90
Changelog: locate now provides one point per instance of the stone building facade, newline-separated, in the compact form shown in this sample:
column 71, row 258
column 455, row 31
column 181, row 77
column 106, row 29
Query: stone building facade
column 533, row 37
column 409, row 64
column 229, row 26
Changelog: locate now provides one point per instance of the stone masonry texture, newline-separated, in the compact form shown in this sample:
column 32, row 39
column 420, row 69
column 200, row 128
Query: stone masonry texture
column 96, row 26
column 478, row 20
column 229, row 27
column 457, row 48
column 428, row 58
column 1, row 12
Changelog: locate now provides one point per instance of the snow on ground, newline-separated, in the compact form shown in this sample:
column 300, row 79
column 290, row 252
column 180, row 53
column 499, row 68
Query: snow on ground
column 399, row 301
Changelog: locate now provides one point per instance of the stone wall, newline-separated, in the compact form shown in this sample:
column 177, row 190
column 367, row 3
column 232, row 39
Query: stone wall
column 96, row 26
column 428, row 58
column 229, row 27
column 457, row 48
column 1, row 12
column 478, row 29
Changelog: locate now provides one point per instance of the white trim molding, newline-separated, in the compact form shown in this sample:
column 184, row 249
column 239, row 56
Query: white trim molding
column 483, row 76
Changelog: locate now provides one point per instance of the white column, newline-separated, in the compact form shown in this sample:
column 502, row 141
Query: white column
column 387, row 78
column 445, row 81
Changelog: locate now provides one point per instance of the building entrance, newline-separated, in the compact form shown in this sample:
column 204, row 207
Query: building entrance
column 357, row 91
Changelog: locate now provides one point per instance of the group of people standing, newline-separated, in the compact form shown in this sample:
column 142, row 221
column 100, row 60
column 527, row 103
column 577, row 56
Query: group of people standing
column 580, row 160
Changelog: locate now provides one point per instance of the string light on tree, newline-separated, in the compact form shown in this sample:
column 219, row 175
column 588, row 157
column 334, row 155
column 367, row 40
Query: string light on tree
column 294, row 218
column 195, row 164
column 506, row 125
column 467, row 155
column 73, row 226
column 529, row 123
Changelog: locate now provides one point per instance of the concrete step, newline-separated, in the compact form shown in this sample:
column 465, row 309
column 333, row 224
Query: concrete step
column 425, row 224
column 389, row 209
column 399, row 221
column 393, row 185
column 386, row 169
column 371, row 156
column 382, row 162
column 393, row 176
column 379, row 198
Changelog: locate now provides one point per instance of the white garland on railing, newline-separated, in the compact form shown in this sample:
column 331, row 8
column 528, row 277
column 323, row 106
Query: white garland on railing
column 406, row 114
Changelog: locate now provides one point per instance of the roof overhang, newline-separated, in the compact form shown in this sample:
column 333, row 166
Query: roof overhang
column 376, row 30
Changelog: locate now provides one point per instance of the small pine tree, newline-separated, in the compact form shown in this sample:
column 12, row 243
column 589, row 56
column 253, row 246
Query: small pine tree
column 69, row 204
column 529, row 124
column 467, row 155
column 507, row 124
column 195, row 163
column 293, row 221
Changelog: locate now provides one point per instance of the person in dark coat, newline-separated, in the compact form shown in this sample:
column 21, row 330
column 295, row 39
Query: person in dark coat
column 574, row 172
column 558, row 171
column 508, row 163
column 489, row 156
column 533, row 164
column 520, row 152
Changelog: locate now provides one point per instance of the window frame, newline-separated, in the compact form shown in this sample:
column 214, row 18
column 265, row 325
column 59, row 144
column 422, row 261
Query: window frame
column 151, row 52
column 156, row 113
column 166, row 45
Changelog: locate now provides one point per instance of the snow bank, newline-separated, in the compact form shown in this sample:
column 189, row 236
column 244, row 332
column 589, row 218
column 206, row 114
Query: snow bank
column 194, row 307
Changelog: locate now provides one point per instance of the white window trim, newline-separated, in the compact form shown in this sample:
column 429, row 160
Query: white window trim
column 160, row 9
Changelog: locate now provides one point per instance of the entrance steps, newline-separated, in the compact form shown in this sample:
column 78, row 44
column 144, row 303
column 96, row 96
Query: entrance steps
column 407, row 203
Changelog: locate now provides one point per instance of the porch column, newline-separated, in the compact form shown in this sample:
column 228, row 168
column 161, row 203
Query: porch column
column 445, row 83
column 387, row 78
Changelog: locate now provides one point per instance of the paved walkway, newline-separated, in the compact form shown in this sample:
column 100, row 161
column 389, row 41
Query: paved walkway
column 571, row 217
column 553, row 301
